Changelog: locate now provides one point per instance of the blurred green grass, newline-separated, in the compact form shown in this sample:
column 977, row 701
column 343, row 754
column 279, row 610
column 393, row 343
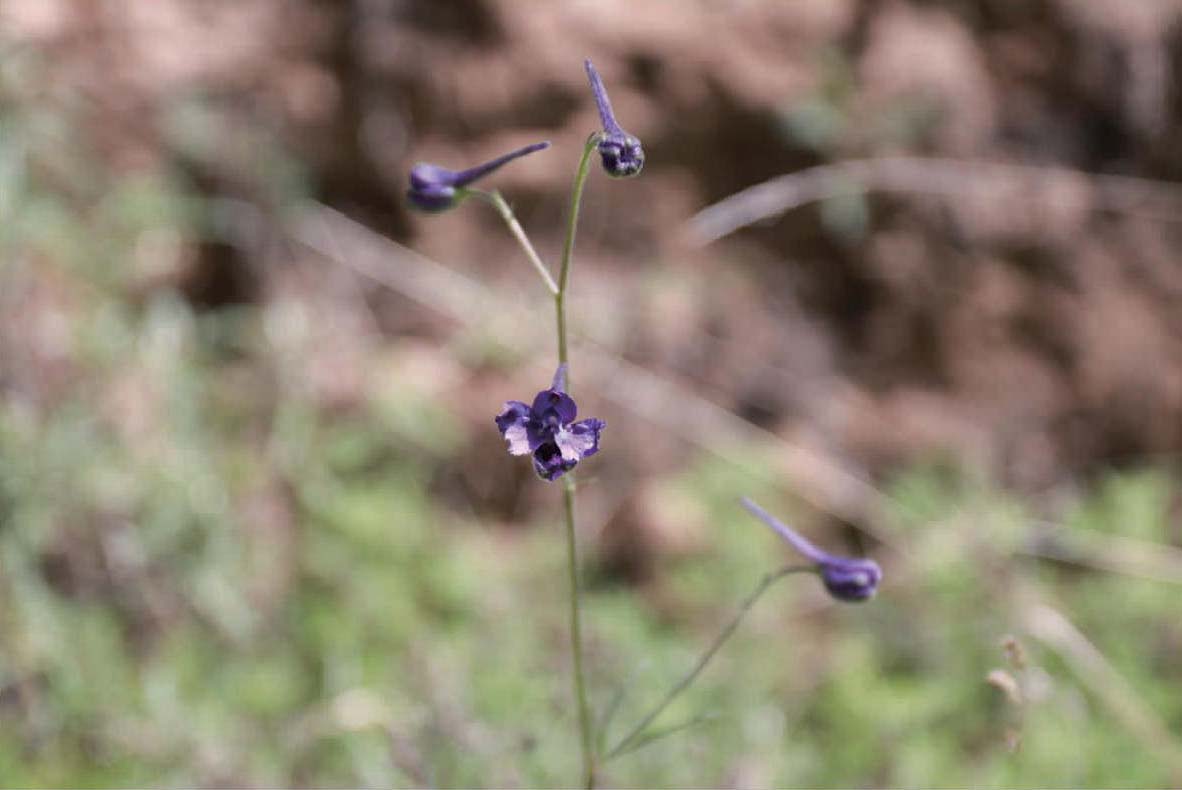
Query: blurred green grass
column 209, row 578
column 411, row 644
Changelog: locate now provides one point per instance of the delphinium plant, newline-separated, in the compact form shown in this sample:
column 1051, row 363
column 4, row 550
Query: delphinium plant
column 547, row 429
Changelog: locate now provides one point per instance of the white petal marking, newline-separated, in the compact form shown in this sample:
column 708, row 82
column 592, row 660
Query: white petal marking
column 573, row 445
column 517, row 438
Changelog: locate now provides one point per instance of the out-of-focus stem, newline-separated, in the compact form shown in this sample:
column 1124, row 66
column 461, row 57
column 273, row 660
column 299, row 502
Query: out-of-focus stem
column 502, row 206
column 688, row 679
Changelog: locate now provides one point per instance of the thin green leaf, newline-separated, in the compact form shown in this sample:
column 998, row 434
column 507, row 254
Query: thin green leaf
column 660, row 734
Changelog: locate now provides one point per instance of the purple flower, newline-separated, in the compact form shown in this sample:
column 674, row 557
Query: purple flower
column 434, row 188
column 548, row 430
column 846, row 578
column 621, row 152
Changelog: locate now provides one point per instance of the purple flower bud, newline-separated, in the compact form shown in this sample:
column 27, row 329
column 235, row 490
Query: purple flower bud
column 621, row 152
column 846, row 578
column 434, row 188
column 850, row 579
column 548, row 430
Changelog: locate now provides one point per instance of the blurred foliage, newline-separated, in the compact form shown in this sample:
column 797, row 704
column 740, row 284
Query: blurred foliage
column 412, row 645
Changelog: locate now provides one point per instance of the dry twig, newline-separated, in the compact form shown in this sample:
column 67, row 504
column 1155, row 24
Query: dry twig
column 1141, row 197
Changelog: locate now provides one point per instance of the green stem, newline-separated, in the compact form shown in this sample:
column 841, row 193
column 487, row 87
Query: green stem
column 568, row 247
column 687, row 680
column 502, row 206
column 576, row 631
column 558, row 290
column 586, row 735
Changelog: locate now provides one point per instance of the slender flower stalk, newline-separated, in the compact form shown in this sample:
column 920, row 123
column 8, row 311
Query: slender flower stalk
column 514, row 416
column 547, row 429
column 594, row 142
column 635, row 735
column 848, row 579
column 586, row 735
column 568, row 247
column 502, row 206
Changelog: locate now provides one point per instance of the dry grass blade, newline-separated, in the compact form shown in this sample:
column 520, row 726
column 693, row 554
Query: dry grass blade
column 1115, row 553
column 1141, row 197
column 1052, row 627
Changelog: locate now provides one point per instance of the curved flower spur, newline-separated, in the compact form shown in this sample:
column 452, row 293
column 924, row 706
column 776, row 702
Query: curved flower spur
column 621, row 152
column 846, row 578
column 547, row 430
column 435, row 188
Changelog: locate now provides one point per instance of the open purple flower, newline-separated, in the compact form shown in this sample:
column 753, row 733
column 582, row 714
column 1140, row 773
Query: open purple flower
column 621, row 152
column 846, row 578
column 435, row 188
column 548, row 430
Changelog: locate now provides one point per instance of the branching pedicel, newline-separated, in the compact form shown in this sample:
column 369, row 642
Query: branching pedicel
column 547, row 430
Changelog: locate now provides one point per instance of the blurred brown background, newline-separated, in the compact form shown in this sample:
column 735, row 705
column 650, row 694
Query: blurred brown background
column 1020, row 327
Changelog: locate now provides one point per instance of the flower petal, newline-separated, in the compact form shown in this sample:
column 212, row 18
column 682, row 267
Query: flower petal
column 434, row 198
column 559, row 384
column 602, row 103
column 465, row 177
column 427, row 176
column 513, row 421
column 579, row 440
column 549, row 463
column 849, row 579
column 554, row 403
column 794, row 538
column 622, row 155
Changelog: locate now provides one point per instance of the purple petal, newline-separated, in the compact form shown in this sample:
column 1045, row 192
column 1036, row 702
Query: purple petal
column 433, row 198
column 602, row 103
column 846, row 578
column 559, row 384
column 549, row 463
column 434, row 188
column 513, row 422
column 540, row 433
column 425, row 176
column 553, row 403
column 466, row 177
column 580, row 439
column 783, row 530
column 850, row 579
column 622, row 155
